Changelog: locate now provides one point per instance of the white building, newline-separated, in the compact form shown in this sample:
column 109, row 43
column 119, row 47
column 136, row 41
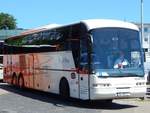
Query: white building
column 146, row 38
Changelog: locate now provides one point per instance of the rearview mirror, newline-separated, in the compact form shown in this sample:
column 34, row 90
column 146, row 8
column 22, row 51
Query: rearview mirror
column 143, row 52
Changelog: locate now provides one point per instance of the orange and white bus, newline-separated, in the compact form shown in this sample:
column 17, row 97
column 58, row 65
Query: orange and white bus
column 78, row 60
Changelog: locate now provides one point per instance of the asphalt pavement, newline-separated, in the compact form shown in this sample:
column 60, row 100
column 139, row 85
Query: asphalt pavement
column 15, row 100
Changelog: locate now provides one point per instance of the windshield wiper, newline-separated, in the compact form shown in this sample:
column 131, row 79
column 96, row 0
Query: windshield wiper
column 132, row 75
column 121, row 73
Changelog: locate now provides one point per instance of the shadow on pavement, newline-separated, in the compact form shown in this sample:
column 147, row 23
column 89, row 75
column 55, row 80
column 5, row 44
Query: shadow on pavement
column 57, row 101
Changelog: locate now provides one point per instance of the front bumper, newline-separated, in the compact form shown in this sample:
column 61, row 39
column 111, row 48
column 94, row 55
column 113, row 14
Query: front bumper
column 115, row 93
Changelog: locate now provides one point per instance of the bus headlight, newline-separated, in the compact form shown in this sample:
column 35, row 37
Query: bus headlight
column 140, row 83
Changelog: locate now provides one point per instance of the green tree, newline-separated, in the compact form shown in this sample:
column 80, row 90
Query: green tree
column 7, row 21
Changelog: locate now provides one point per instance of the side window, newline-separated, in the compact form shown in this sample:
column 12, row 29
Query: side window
column 84, row 56
column 75, row 47
column 62, row 42
column 74, row 43
column 1, row 59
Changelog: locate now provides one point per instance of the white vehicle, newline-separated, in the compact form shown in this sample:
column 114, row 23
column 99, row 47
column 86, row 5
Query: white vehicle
column 77, row 60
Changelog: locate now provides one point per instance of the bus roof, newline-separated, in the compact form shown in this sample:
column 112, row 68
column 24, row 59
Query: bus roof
column 90, row 24
column 101, row 23
column 41, row 28
column 98, row 23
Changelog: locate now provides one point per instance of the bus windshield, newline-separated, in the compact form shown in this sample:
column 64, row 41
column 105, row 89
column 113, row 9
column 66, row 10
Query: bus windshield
column 116, row 52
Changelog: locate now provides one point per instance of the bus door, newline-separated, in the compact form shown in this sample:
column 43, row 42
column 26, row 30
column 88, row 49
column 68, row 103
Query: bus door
column 84, row 70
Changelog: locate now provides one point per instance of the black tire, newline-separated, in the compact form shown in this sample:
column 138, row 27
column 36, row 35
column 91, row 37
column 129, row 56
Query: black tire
column 21, row 82
column 1, row 81
column 14, row 80
column 108, row 101
column 64, row 89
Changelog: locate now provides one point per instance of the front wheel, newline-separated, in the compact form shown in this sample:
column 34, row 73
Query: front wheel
column 64, row 89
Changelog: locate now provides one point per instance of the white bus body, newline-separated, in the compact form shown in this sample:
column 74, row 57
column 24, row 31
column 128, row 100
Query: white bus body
column 46, row 70
column 1, row 72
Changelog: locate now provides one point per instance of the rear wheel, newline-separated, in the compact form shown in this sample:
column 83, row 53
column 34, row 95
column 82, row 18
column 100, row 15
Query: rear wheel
column 64, row 88
column 21, row 82
column 14, row 80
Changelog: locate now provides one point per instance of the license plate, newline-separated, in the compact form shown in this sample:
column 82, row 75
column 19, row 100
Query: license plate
column 121, row 94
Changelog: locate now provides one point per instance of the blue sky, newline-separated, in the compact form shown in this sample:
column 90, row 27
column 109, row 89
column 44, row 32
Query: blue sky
column 34, row 13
